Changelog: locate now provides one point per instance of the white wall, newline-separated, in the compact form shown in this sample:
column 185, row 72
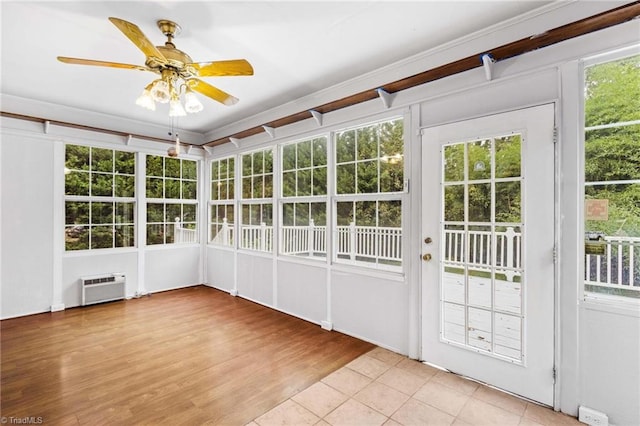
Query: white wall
column 37, row 275
column 610, row 361
column 171, row 267
column 372, row 308
column 221, row 268
column 302, row 290
column 255, row 278
column 27, row 225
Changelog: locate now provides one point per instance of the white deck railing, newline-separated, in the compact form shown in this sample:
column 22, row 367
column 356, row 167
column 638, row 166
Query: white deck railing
column 256, row 237
column 507, row 254
column 224, row 235
column 370, row 242
column 308, row 240
column 183, row 235
column 353, row 243
column 618, row 268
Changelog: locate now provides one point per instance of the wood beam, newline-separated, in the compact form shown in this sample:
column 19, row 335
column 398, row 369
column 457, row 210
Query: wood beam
column 537, row 41
column 48, row 123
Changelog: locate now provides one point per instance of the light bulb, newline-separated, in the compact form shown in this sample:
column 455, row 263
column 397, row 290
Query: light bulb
column 191, row 102
column 145, row 100
column 160, row 91
column 176, row 109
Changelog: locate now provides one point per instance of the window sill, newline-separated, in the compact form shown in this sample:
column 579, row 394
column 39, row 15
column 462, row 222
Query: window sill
column 171, row 246
column 368, row 271
column 220, row 247
column 612, row 304
column 100, row 252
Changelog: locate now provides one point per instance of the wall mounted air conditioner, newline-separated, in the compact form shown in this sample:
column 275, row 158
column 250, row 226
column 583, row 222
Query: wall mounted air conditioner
column 102, row 288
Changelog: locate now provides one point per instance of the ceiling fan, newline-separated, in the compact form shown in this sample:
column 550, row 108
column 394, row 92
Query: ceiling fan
column 176, row 69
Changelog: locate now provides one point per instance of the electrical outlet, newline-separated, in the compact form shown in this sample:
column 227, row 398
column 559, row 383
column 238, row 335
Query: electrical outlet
column 592, row 417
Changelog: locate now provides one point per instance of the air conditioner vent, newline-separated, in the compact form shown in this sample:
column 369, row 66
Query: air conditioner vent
column 102, row 288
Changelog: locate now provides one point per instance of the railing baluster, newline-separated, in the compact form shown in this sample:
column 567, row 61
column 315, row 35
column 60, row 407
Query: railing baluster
column 620, row 266
column 632, row 268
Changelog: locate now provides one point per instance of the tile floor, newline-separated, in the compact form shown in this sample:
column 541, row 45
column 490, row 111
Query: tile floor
column 385, row 388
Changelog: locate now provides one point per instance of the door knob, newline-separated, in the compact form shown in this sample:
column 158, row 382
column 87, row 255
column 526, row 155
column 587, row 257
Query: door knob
column 426, row 257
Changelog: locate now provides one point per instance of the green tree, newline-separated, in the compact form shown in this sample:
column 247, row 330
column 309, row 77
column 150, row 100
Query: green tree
column 612, row 153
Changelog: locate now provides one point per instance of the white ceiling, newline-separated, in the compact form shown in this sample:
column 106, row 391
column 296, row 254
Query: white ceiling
column 296, row 48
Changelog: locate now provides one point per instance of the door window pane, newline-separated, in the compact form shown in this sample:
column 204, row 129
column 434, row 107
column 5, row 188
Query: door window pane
column 482, row 233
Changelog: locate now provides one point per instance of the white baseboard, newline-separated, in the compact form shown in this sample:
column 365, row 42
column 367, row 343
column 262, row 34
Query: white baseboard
column 326, row 325
column 57, row 307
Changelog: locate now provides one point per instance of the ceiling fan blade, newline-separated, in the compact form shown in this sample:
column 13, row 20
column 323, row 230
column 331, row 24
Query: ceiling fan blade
column 212, row 92
column 138, row 38
column 223, row 68
column 79, row 61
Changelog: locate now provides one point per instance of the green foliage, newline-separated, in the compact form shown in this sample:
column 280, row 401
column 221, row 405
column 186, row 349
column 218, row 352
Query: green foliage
column 612, row 154
column 125, row 162
column 111, row 225
column 155, row 165
column 77, row 157
column 346, row 146
column 125, row 186
column 612, row 95
column 370, row 213
column 257, row 174
column 304, row 166
column 171, row 178
column 99, row 172
column 77, row 183
column 612, row 92
column 102, row 160
column 475, row 161
column 371, row 159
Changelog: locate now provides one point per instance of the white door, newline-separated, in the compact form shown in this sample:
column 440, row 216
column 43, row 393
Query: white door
column 488, row 224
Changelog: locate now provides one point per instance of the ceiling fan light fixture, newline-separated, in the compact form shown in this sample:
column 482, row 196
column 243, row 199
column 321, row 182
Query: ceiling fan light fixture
column 145, row 100
column 191, row 102
column 160, row 91
column 175, row 108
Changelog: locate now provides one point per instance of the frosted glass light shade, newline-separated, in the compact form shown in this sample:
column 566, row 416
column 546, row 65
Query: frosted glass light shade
column 160, row 92
column 191, row 102
column 176, row 109
column 146, row 101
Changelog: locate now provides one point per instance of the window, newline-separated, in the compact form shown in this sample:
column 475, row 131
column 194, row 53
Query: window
column 99, row 198
column 222, row 203
column 304, row 195
column 612, row 178
column 172, row 204
column 256, row 207
column 369, row 183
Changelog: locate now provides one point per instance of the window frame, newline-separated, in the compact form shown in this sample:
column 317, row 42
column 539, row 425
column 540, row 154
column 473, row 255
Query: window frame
column 230, row 201
column 312, row 247
column 191, row 231
column 601, row 300
column 398, row 195
column 90, row 199
column 261, row 238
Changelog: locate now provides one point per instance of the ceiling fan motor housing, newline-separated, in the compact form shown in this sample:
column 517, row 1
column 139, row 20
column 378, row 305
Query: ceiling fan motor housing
column 175, row 58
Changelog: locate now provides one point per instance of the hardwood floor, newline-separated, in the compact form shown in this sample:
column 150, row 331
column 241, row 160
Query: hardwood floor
column 190, row 356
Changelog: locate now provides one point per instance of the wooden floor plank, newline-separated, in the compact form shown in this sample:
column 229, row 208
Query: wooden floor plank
column 188, row 356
